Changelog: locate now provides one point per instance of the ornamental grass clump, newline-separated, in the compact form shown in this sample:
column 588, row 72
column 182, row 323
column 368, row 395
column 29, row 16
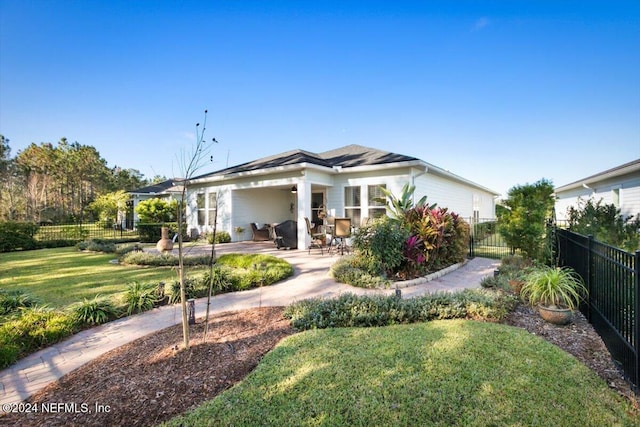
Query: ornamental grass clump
column 557, row 287
column 94, row 311
column 140, row 297
column 13, row 300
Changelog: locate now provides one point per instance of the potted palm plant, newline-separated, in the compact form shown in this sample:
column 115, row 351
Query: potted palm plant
column 555, row 291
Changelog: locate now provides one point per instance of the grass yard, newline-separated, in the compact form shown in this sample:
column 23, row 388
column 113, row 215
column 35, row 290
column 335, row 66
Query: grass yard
column 61, row 276
column 440, row 373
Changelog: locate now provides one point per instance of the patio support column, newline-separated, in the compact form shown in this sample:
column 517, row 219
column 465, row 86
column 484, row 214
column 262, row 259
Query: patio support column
column 304, row 210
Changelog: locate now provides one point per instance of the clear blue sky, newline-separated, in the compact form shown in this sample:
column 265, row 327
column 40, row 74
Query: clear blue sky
column 499, row 92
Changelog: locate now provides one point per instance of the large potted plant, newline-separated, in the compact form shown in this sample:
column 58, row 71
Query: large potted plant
column 555, row 291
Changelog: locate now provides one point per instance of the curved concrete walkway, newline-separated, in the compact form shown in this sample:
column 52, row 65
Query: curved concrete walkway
column 310, row 279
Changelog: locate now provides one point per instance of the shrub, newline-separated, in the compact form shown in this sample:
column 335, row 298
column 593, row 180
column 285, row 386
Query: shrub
column 606, row 223
column 514, row 267
column 17, row 235
column 444, row 235
column 56, row 243
column 348, row 270
column 125, row 249
column 157, row 210
column 32, row 329
column 523, row 224
column 162, row 260
column 97, row 245
column 140, row 297
column 497, row 282
column 350, row 310
column 95, row 311
column 236, row 272
column 249, row 270
column 192, row 289
column 381, row 246
column 221, row 237
column 13, row 300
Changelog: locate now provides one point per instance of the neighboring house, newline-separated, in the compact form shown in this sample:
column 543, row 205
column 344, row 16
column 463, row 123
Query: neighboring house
column 341, row 182
column 162, row 190
column 619, row 186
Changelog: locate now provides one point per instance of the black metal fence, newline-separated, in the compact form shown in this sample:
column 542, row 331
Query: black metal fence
column 485, row 240
column 82, row 231
column 612, row 277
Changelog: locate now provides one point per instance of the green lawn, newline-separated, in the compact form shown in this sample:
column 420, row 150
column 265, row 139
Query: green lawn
column 61, row 276
column 440, row 373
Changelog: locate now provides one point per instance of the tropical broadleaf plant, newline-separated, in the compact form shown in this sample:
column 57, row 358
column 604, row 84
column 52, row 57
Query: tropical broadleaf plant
column 397, row 206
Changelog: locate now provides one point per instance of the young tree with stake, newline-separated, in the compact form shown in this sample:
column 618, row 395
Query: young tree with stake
column 190, row 163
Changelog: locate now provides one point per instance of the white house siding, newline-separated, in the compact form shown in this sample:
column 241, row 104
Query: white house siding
column 623, row 191
column 266, row 198
column 631, row 201
column 393, row 179
column 457, row 197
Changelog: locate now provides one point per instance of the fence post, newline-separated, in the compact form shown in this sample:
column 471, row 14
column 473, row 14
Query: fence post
column 636, row 336
column 471, row 234
column 588, row 278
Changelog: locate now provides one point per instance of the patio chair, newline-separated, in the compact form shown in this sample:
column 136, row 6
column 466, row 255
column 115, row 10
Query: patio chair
column 316, row 238
column 260, row 234
column 342, row 231
column 286, row 235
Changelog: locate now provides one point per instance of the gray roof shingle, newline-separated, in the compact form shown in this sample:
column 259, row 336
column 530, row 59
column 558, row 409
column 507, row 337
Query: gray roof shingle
column 348, row 156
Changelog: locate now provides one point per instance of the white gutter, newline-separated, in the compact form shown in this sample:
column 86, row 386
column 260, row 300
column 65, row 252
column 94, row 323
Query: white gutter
column 593, row 179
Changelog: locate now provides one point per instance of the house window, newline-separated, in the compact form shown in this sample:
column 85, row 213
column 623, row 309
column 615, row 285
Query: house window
column 615, row 196
column 318, row 210
column 211, row 208
column 476, row 208
column 202, row 211
column 376, row 207
column 206, row 208
column 352, row 202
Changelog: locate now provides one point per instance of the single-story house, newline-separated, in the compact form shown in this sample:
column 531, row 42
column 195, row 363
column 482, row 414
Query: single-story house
column 162, row 190
column 339, row 183
column 619, row 186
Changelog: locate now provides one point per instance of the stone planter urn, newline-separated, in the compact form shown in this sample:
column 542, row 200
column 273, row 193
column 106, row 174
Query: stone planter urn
column 165, row 244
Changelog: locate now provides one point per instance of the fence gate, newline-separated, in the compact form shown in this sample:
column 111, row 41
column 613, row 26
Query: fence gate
column 485, row 241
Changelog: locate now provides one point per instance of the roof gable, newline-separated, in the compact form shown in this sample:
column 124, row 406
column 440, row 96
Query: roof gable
column 357, row 155
column 167, row 186
column 348, row 156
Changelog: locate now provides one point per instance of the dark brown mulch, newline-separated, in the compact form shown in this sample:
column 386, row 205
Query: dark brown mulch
column 151, row 379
